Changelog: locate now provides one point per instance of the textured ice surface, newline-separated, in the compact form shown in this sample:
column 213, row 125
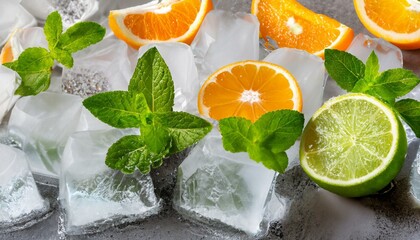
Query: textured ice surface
column 20, row 201
column 224, row 187
column 43, row 123
column 415, row 177
column 104, row 66
column 225, row 37
column 13, row 16
column 389, row 55
column 9, row 84
column 180, row 60
column 95, row 197
column 25, row 38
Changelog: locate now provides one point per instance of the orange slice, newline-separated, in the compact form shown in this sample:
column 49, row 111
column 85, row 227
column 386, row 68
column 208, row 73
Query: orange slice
column 290, row 24
column 6, row 54
column 167, row 21
column 397, row 21
column 248, row 89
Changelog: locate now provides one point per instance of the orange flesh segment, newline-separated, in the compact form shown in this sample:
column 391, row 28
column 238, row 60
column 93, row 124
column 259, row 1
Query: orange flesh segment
column 6, row 54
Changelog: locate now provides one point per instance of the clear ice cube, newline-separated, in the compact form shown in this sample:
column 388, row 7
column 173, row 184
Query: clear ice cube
column 20, row 202
column 7, row 91
column 219, row 186
column 415, row 177
column 43, row 123
column 38, row 8
column 180, row 61
column 94, row 197
column 24, row 38
column 225, row 37
column 104, row 66
column 13, row 16
column 389, row 55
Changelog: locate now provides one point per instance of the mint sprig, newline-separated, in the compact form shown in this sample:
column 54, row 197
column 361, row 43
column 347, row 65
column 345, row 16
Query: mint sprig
column 34, row 65
column 267, row 139
column 146, row 105
column 353, row 75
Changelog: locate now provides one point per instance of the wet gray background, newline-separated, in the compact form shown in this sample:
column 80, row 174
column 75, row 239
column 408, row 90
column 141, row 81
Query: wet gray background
column 312, row 214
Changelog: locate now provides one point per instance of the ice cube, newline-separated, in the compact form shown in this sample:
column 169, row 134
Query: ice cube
column 180, row 60
column 225, row 37
column 389, row 55
column 24, row 38
column 415, row 177
column 95, row 197
column 13, row 16
column 104, row 66
column 38, row 8
column 229, row 188
column 43, row 123
column 20, row 202
column 233, row 5
column 7, row 91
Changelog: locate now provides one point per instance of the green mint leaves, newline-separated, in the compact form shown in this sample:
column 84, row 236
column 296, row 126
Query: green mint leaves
column 267, row 139
column 34, row 65
column 353, row 75
column 146, row 105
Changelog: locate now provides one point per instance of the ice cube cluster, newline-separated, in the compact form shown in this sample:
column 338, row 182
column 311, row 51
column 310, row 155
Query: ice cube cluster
column 62, row 140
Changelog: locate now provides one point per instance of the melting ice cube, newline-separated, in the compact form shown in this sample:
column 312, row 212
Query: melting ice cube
column 13, row 16
column 43, row 123
column 225, row 37
column 415, row 177
column 20, row 201
column 9, row 84
column 180, row 61
column 230, row 188
column 95, row 197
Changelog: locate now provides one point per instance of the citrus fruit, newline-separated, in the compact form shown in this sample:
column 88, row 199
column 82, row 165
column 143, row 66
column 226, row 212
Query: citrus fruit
column 6, row 54
column 248, row 89
column 354, row 145
column 397, row 21
column 292, row 25
column 164, row 21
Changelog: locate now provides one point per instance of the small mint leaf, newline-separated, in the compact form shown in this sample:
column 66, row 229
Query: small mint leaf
column 275, row 161
column 125, row 154
column 34, row 68
column 238, row 133
column 279, row 130
column 362, row 86
column 11, row 65
column 63, row 56
column 344, row 68
column 156, row 137
column 52, row 29
column 185, row 129
column 395, row 82
column 409, row 109
column 119, row 109
column 372, row 67
column 153, row 78
column 80, row 36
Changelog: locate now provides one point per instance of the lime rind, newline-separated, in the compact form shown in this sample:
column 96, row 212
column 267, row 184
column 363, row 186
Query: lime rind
column 382, row 150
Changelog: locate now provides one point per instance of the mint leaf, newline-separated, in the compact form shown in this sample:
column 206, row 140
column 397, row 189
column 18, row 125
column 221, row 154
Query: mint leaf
column 156, row 137
column 34, row 68
column 372, row 67
column 266, row 139
column 153, row 78
column 344, row 68
column 279, row 130
column 52, row 29
column 409, row 109
column 185, row 129
column 130, row 152
column 238, row 133
column 397, row 82
column 80, row 36
column 63, row 56
column 119, row 109
column 275, row 161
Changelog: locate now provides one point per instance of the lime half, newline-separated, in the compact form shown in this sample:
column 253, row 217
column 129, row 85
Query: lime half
column 354, row 145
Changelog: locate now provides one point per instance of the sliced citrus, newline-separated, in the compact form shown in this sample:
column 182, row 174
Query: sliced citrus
column 6, row 54
column 354, row 145
column 164, row 21
column 290, row 24
column 248, row 89
column 397, row 21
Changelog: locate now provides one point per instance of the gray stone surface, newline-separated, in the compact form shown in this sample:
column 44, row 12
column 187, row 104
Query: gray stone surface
column 313, row 213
